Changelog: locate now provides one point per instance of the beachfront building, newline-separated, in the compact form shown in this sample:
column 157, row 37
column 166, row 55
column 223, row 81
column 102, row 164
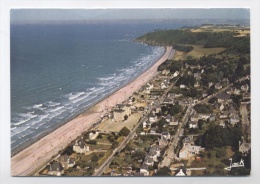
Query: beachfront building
column 55, row 169
column 80, row 147
column 121, row 111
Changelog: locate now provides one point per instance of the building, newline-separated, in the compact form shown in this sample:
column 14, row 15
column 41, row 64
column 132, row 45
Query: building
column 144, row 169
column 193, row 124
column 218, row 86
column 55, row 169
column 244, row 147
column 152, row 118
column 80, row 146
column 121, row 111
column 189, row 151
column 173, row 121
column 244, row 88
column 223, row 97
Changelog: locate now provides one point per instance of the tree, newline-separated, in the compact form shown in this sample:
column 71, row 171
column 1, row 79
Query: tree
column 139, row 154
column 124, row 131
column 213, row 100
column 125, row 117
column 203, row 108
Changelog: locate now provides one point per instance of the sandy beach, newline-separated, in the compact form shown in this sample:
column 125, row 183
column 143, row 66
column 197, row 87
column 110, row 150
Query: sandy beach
column 29, row 159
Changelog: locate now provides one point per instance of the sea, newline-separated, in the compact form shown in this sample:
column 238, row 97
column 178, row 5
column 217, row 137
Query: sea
column 59, row 69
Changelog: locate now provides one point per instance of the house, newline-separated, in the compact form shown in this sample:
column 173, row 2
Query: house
column 224, row 114
column 144, row 169
column 218, row 86
column 174, row 95
column 153, row 130
column 71, row 162
column 166, row 135
column 176, row 74
column 163, row 142
column 55, row 169
column 158, row 108
column 196, row 84
column 121, row 111
column 234, row 91
column 221, row 107
column 223, row 97
column 245, row 88
column 80, row 147
column 188, row 140
column 92, row 135
column 225, row 81
column 146, row 125
column 165, row 72
column 234, row 119
column 246, row 96
column 204, row 94
column 197, row 76
column 185, row 102
column 155, row 148
column 212, row 117
column 163, row 85
column 149, row 161
column 194, row 117
column 64, row 160
column 168, row 118
column 189, row 151
column 203, row 116
column 152, row 118
column 181, row 171
column 210, row 84
column 193, row 124
column 182, row 86
column 168, row 101
column 244, row 147
column 174, row 121
column 222, row 124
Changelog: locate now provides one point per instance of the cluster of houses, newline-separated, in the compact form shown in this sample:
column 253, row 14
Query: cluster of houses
column 189, row 150
column 151, row 157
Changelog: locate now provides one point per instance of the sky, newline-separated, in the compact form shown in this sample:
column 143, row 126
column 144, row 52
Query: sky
column 21, row 15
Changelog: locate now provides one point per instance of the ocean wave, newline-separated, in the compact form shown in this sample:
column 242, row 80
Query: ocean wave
column 56, row 109
column 19, row 130
column 40, row 118
column 73, row 96
column 52, row 104
column 28, row 117
column 37, row 106
column 105, row 78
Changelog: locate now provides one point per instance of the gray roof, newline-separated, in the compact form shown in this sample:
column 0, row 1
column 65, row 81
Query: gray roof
column 56, row 166
column 223, row 96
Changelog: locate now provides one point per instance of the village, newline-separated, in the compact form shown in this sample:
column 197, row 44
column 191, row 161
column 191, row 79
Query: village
column 181, row 123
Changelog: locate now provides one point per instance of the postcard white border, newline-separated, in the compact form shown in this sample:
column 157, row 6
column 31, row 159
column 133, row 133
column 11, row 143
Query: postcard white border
column 6, row 5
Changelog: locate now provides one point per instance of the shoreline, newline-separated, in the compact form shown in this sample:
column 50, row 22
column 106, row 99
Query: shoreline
column 23, row 146
column 41, row 151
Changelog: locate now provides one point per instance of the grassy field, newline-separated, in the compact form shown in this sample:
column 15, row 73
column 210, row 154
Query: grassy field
column 112, row 126
column 199, row 51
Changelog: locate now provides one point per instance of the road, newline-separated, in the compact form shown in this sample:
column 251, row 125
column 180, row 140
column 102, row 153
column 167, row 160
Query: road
column 131, row 135
column 170, row 154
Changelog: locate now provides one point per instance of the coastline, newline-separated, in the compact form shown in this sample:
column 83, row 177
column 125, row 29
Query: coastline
column 38, row 153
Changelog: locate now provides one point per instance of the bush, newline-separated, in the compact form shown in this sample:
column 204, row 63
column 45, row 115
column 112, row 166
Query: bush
column 92, row 142
column 124, row 131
